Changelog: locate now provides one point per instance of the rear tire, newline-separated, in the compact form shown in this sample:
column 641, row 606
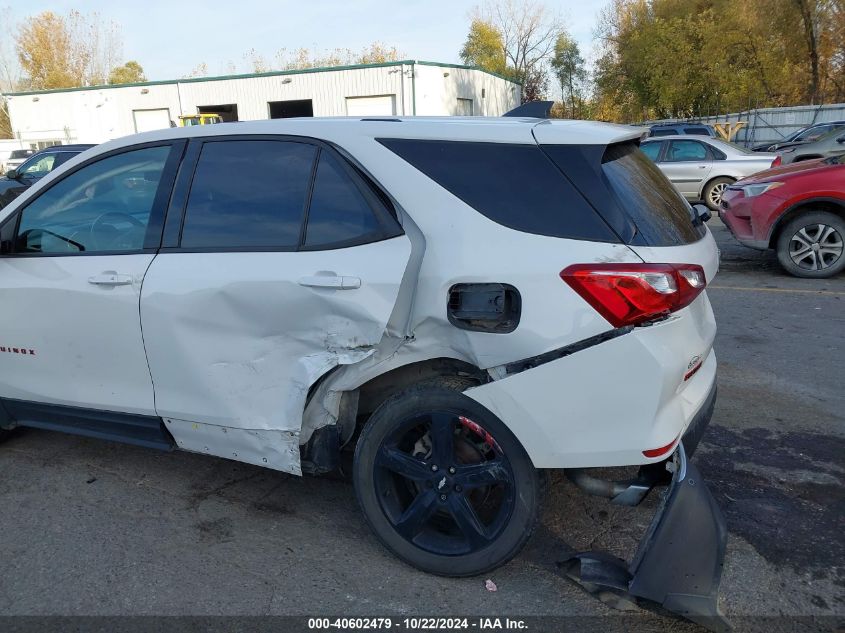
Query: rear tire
column 467, row 515
column 713, row 191
column 811, row 245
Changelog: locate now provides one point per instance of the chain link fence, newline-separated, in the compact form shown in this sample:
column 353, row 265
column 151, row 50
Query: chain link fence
column 770, row 125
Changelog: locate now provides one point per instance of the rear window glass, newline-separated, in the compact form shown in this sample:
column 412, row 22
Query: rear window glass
column 339, row 212
column 697, row 130
column 658, row 210
column 666, row 131
column 248, row 194
column 515, row 185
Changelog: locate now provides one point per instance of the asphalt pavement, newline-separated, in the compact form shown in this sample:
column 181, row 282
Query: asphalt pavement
column 94, row 528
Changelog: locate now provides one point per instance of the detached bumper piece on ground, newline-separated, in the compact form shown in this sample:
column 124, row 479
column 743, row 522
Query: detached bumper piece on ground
column 679, row 561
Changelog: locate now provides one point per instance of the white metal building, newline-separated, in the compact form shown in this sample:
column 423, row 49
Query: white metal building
column 98, row 113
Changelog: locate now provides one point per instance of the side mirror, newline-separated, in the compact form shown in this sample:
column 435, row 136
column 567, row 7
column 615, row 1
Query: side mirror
column 12, row 174
column 702, row 212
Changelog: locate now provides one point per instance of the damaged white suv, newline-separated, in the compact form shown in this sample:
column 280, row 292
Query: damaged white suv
column 463, row 301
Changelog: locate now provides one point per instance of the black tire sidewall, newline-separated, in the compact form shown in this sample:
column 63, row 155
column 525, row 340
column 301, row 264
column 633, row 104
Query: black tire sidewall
column 527, row 498
column 793, row 226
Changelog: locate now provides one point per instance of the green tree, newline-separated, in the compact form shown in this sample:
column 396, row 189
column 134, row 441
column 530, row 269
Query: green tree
column 676, row 58
column 514, row 38
column 130, row 73
column 570, row 71
column 484, row 47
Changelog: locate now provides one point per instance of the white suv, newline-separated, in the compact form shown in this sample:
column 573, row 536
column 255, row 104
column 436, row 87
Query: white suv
column 463, row 301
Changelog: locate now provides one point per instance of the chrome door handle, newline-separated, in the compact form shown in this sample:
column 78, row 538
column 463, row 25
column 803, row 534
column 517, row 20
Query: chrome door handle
column 335, row 282
column 110, row 278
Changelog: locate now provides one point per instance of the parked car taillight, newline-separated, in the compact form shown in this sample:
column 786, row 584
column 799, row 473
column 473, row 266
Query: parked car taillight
column 628, row 294
column 777, row 161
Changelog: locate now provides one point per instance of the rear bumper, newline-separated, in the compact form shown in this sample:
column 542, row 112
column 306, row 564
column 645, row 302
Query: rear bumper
column 609, row 403
column 692, row 436
column 678, row 564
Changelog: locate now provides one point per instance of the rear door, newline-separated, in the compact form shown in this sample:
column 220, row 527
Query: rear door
column 287, row 263
column 687, row 164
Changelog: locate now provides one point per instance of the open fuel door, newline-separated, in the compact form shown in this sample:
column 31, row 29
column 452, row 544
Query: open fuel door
column 252, row 308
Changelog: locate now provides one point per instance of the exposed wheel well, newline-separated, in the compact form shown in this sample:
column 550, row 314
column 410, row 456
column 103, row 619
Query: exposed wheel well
column 830, row 206
column 380, row 388
column 801, row 159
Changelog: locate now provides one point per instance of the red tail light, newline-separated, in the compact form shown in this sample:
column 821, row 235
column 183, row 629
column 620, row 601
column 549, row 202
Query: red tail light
column 777, row 161
column 628, row 294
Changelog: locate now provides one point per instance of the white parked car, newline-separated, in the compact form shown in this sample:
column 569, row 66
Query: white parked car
column 703, row 168
column 16, row 158
column 465, row 301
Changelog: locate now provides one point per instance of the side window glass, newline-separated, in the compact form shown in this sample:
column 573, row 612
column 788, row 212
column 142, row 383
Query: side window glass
column 683, row 151
column 248, row 194
column 339, row 212
column 103, row 207
column 62, row 158
column 39, row 167
column 652, row 150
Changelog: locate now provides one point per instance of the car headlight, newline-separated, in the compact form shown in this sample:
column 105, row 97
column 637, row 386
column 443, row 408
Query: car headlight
column 759, row 188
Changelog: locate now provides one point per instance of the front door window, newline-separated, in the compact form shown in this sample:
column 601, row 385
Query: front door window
column 103, row 207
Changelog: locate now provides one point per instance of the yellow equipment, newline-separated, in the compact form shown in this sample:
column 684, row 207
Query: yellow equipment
column 199, row 119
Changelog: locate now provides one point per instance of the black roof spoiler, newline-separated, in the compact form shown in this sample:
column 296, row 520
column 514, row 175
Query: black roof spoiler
column 533, row 109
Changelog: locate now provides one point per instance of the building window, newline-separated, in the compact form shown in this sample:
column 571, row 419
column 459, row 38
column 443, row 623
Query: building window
column 464, row 107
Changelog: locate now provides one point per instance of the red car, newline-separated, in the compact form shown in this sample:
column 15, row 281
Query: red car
column 798, row 210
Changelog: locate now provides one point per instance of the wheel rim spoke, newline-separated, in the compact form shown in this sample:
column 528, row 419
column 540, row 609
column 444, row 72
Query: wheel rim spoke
column 403, row 464
column 825, row 232
column 802, row 237
column 442, row 436
column 417, row 514
column 468, row 522
column 438, row 496
column 801, row 253
column 482, row 474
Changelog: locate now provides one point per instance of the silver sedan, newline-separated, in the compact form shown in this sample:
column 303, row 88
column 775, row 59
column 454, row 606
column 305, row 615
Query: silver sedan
column 701, row 168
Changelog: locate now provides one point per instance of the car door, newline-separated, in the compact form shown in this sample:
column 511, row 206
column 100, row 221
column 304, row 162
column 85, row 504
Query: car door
column 287, row 264
column 72, row 261
column 687, row 164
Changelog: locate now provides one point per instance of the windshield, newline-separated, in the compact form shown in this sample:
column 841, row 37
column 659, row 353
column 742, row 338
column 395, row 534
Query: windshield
column 815, row 133
column 733, row 146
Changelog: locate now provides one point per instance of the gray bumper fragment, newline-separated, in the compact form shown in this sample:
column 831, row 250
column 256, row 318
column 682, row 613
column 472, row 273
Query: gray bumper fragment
column 679, row 561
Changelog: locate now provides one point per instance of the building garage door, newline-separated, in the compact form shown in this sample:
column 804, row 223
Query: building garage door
column 382, row 105
column 146, row 120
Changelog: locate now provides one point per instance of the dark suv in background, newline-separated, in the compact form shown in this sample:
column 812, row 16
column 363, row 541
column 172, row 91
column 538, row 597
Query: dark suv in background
column 18, row 180
column 671, row 129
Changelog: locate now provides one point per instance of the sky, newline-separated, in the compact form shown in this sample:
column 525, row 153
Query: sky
column 170, row 38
